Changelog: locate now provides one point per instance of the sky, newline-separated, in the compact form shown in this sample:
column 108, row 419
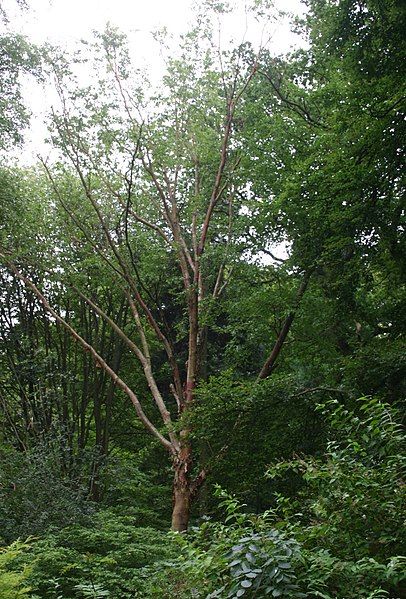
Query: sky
column 62, row 21
column 65, row 22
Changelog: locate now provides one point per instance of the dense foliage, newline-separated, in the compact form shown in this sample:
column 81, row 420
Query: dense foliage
column 205, row 282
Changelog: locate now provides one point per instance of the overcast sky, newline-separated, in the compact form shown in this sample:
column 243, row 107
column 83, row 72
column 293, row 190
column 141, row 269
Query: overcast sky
column 64, row 22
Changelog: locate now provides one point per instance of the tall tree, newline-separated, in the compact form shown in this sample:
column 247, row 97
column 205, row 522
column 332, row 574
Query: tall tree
column 149, row 185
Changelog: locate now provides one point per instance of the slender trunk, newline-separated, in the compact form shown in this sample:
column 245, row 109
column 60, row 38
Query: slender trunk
column 182, row 494
column 182, row 487
column 181, row 508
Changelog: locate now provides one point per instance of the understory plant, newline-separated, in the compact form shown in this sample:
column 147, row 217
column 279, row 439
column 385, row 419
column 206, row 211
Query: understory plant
column 350, row 514
column 240, row 557
column 103, row 558
column 341, row 537
column 13, row 578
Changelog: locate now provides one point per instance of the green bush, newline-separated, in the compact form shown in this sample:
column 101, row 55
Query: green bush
column 350, row 514
column 341, row 537
column 244, row 557
column 103, row 559
column 13, row 578
column 37, row 494
column 128, row 490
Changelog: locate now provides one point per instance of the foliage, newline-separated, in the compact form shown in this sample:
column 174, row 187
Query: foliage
column 13, row 579
column 247, row 206
column 329, row 577
column 227, row 402
column 341, row 536
column 262, row 564
column 242, row 557
column 17, row 56
column 37, row 494
column 349, row 516
column 103, row 559
column 128, row 489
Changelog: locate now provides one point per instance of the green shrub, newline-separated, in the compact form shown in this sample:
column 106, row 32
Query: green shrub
column 331, row 578
column 341, row 537
column 99, row 560
column 350, row 514
column 244, row 557
column 37, row 494
column 127, row 489
column 13, row 578
column 261, row 564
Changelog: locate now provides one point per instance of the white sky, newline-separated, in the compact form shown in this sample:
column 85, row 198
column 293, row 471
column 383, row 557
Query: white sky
column 64, row 22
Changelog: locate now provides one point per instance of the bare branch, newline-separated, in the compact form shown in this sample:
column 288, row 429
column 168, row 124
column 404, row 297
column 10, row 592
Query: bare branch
column 269, row 364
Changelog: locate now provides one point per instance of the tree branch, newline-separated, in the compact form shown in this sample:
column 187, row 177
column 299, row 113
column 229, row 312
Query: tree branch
column 97, row 358
column 269, row 364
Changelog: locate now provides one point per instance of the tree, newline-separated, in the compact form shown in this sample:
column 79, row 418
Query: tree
column 334, row 128
column 161, row 194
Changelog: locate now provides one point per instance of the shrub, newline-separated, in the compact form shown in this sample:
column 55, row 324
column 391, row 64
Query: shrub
column 349, row 515
column 244, row 557
column 90, row 561
column 36, row 495
column 12, row 577
column 341, row 537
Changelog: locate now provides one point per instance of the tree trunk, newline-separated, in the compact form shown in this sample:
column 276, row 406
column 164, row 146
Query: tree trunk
column 181, row 508
column 181, row 489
